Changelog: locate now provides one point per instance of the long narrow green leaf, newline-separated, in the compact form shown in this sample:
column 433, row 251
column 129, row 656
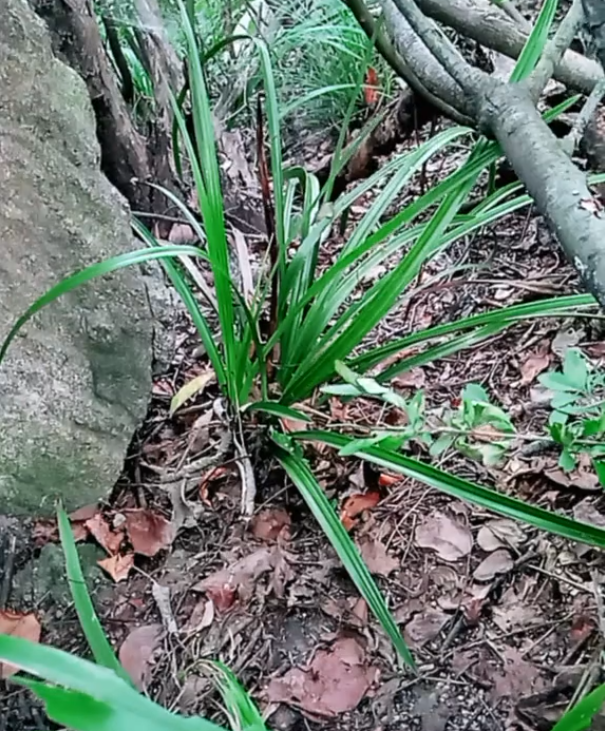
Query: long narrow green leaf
column 581, row 715
column 92, row 272
column 97, row 682
column 534, row 46
column 97, row 641
column 184, row 291
column 552, row 307
column 465, row 490
column 300, row 474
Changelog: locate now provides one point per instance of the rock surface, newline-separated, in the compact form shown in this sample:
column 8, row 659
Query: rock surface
column 74, row 388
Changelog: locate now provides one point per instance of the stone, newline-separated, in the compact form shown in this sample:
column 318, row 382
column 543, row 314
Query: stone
column 75, row 385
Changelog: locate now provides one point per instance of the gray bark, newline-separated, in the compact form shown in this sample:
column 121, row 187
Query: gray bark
column 482, row 21
column 507, row 113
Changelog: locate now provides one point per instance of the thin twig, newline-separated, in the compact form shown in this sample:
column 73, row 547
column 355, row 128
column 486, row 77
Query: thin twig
column 572, row 140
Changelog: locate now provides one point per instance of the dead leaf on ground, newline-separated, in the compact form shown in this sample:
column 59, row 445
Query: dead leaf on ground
column 335, row 682
column 386, row 480
column 534, row 365
column 270, row 523
column 17, row 624
column 425, row 626
column 414, row 378
column 500, row 533
column 137, row 650
column 517, row 678
column 356, row 504
column 498, row 562
column 201, row 617
column 148, row 531
column 118, row 567
column 566, row 339
column 224, row 587
column 101, row 531
column 376, row 557
column 190, row 389
column 182, row 233
column 510, row 612
column 450, row 539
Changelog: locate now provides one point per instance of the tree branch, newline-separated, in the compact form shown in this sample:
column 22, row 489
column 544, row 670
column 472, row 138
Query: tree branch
column 386, row 49
column 555, row 48
column 486, row 24
column 439, row 45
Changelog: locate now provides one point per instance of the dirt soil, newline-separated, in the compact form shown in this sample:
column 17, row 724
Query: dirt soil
column 503, row 620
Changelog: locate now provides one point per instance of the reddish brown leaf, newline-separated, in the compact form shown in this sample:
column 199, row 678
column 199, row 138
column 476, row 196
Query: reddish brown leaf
column 214, row 474
column 371, row 92
column 148, row 531
column 137, row 650
column 17, row 624
column 386, row 480
column 86, row 512
column 355, row 505
column 533, row 366
column 103, row 535
column 335, row 682
column 118, row 567
column 269, row 524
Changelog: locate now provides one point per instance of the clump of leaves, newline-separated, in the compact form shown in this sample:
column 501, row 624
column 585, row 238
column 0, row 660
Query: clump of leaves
column 577, row 420
column 476, row 428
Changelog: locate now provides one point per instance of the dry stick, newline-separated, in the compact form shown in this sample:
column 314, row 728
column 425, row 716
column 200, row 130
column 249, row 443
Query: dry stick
column 572, row 140
column 7, row 575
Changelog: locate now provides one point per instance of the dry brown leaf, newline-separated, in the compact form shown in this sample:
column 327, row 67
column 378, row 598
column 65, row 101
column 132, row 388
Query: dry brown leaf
column 386, row 480
column 586, row 512
column 101, row 531
column 269, row 524
column 148, row 531
column 182, row 233
column 414, row 378
column 376, row 557
column 517, row 678
column 500, row 533
column 498, row 562
column 533, row 366
column 118, row 567
column 137, row 650
column 201, row 617
column 511, row 612
column 425, row 626
column 356, row 504
column 335, row 682
column 450, row 539
column 238, row 580
column 17, row 624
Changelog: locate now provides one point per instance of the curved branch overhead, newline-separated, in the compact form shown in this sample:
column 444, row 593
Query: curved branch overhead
column 482, row 21
column 507, row 113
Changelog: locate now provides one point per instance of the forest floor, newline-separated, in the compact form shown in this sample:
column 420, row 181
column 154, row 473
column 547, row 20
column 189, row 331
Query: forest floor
column 502, row 619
